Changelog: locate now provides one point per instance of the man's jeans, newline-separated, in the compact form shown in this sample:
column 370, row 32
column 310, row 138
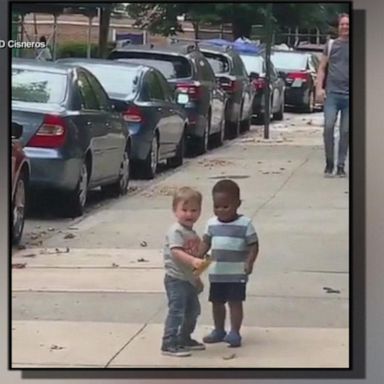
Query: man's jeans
column 183, row 310
column 335, row 103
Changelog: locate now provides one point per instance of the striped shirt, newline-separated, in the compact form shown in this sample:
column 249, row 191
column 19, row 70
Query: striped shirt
column 179, row 236
column 229, row 248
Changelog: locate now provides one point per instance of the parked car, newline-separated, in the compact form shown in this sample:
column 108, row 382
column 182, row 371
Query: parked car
column 256, row 67
column 299, row 70
column 20, row 181
column 317, row 49
column 194, row 83
column 157, row 124
column 234, row 80
column 73, row 138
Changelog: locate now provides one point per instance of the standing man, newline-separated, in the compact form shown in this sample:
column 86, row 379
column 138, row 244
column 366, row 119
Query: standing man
column 334, row 65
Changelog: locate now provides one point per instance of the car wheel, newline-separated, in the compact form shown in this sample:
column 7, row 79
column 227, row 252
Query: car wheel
column 120, row 187
column 178, row 159
column 150, row 164
column 19, row 209
column 280, row 114
column 310, row 105
column 78, row 197
column 202, row 142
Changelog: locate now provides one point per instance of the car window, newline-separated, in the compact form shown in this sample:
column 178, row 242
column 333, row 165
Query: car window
column 87, row 94
column 253, row 63
column 289, row 60
column 155, row 88
column 119, row 81
column 172, row 67
column 38, row 87
column 218, row 63
column 165, row 87
column 100, row 94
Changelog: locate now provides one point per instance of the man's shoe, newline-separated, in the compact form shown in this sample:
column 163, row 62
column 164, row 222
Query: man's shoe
column 176, row 351
column 193, row 345
column 216, row 336
column 340, row 172
column 233, row 339
column 328, row 171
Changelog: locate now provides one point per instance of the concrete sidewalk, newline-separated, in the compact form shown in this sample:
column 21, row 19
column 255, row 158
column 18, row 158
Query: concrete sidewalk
column 96, row 299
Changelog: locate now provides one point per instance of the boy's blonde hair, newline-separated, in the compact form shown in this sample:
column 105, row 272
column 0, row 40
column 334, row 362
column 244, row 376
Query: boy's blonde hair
column 185, row 195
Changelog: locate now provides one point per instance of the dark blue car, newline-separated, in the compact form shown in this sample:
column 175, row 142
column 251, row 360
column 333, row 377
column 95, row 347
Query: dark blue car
column 72, row 136
column 157, row 124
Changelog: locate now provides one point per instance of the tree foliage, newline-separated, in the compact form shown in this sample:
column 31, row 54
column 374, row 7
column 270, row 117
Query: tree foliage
column 162, row 18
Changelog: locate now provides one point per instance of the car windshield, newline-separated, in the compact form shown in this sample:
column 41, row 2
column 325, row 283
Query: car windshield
column 219, row 64
column 288, row 60
column 36, row 86
column 116, row 80
column 172, row 67
column 253, row 63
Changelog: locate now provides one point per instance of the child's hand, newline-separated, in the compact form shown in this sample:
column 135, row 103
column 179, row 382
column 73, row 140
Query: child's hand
column 248, row 267
column 192, row 246
column 197, row 263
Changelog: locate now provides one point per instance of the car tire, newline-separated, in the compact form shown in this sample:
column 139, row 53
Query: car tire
column 148, row 168
column 78, row 197
column 310, row 105
column 280, row 114
column 19, row 208
column 178, row 159
column 120, row 187
column 202, row 142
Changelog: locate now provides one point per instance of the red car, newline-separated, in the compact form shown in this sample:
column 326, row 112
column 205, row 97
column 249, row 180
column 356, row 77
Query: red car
column 20, row 179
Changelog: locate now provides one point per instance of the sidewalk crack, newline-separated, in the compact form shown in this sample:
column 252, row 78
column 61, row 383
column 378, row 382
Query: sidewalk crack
column 133, row 337
column 281, row 187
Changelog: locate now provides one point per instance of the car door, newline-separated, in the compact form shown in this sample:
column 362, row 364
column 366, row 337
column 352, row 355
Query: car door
column 114, row 140
column 175, row 114
column 91, row 124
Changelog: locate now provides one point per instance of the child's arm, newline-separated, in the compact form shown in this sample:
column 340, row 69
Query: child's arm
column 251, row 258
column 204, row 247
column 183, row 257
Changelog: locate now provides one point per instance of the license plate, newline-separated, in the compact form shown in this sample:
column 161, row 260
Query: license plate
column 182, row 98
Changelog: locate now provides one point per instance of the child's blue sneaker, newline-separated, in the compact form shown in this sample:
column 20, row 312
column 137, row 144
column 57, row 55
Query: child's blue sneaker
column 233, row 339
column 216, row 336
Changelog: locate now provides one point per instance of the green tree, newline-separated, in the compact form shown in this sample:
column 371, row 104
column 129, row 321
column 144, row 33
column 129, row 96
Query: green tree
column 162, row 18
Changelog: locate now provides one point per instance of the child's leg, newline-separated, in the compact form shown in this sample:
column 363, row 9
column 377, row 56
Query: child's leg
column 176, row 308
column 236, row 313
column 218, row 311
column 192, row 312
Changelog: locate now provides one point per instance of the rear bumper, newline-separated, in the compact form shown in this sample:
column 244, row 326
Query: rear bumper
column 295, row 96
column 49, row 170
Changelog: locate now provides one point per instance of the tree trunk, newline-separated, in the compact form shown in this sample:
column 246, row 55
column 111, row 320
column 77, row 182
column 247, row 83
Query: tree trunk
column 105, row 17
column 241, row 29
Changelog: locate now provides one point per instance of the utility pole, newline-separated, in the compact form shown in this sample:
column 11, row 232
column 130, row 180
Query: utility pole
column 268, row 38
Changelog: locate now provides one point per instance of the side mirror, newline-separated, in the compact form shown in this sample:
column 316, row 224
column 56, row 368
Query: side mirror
column 254, row 76
column 17, row 130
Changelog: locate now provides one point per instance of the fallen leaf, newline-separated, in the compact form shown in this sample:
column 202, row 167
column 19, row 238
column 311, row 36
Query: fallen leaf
column 141, row 260
column 55, row 347
column 229, row 357
column 69, row 236
column 143, row 244
column 21, row 247
column 114, row 265
column 19, row 265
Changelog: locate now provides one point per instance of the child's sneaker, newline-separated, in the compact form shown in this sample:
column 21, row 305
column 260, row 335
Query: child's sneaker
column 216, row 336
column 233, row 339
column 193, row 345
column 177, row 351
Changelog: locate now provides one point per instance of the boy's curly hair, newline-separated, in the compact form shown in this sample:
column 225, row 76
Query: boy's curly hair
column 186, row 194
column 227, row 186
